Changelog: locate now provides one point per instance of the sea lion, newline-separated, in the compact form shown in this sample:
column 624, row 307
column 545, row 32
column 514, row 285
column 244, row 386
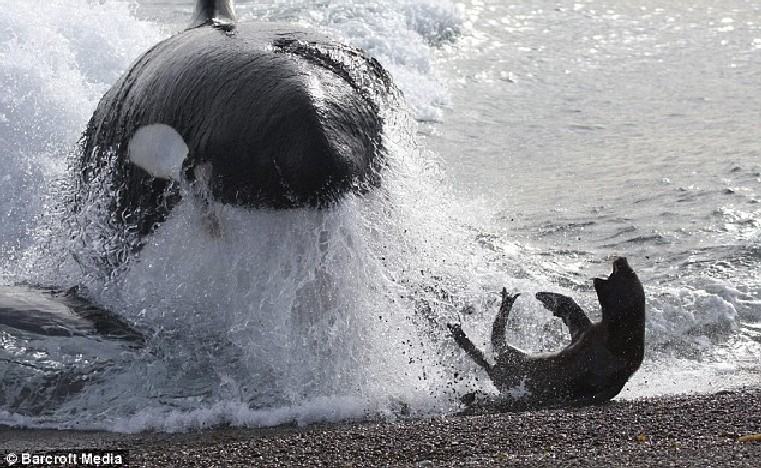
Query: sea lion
column 258, row 115
column 598, row 362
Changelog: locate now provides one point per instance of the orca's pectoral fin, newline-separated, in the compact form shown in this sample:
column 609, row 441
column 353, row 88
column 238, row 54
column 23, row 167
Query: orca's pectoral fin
column 568, row 310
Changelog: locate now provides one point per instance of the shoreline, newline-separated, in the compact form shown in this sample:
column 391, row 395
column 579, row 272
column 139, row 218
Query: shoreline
column 681, row 430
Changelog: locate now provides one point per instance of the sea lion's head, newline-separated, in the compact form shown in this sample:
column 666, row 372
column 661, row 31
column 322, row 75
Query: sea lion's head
column 621, row 295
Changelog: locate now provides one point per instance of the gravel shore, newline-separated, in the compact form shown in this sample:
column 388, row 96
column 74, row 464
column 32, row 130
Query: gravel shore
column 685, row 431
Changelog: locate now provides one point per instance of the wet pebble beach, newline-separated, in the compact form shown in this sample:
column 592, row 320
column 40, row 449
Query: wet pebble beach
column 689, row 431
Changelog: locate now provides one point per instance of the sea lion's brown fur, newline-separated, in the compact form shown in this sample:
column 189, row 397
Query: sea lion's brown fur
column 598, row 362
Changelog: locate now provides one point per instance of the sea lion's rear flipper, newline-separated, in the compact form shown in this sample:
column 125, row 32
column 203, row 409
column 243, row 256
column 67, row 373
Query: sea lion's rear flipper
column 570, row 312
column 500, row 321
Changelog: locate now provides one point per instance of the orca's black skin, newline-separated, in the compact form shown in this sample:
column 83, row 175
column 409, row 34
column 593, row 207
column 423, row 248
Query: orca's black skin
column 54, row 312
column 272, row 116
column 598, row 362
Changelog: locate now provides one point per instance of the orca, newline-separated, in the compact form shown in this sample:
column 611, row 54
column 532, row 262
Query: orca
column 49, row 311
column 257, row 115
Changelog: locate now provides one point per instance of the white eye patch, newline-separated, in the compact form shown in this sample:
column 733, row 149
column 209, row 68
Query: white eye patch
column 158, row 149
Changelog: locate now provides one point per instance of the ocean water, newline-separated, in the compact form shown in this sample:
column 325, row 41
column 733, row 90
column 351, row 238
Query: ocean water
column 538, row 141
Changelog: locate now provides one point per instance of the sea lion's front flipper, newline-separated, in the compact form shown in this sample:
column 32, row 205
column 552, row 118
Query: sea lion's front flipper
column 468, row 346
column 500, row 321
column 568, row 310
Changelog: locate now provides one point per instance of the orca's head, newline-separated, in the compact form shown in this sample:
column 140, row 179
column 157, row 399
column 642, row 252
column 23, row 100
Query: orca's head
column 621, row 295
